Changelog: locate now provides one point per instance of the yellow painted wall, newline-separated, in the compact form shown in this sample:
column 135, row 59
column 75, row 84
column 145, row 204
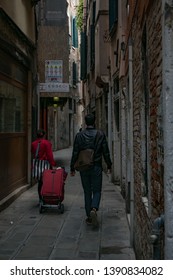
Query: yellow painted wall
column 22, row 13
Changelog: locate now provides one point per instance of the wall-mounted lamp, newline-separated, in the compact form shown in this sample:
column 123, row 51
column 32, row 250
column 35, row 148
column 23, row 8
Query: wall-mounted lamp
column 55, row 101
column 56, row 98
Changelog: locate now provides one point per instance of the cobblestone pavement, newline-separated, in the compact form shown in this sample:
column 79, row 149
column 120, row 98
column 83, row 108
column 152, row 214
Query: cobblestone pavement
column 25, row 234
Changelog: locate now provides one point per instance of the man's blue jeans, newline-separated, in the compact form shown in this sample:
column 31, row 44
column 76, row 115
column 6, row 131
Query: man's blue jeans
column 92, row 185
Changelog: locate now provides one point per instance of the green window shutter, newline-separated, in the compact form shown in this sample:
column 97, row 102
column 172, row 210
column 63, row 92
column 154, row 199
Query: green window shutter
column 113, row 14
column 83, row 53
column 74, row 34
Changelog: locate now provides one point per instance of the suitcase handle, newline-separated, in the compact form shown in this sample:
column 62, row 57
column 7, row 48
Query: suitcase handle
column 55, row 169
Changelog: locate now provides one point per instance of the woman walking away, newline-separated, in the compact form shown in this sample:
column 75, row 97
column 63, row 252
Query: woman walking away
column 41, row 149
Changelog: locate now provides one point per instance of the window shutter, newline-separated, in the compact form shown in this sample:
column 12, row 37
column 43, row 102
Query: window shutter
column 92, row 46
column 83, row 52
column 74, row 34
column 113, row 14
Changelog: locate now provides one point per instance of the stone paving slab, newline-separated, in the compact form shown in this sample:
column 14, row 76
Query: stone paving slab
column 27, row 234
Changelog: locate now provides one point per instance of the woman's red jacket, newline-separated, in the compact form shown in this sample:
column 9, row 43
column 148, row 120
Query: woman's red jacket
column 45, row 150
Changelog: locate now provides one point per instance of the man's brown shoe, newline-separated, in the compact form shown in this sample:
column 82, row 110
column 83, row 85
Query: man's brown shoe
column 93, row 215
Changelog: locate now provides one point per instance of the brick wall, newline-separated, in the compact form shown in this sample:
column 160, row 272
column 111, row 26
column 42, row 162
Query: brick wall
column 156, row 135
column 53, row 45
column 147, row 111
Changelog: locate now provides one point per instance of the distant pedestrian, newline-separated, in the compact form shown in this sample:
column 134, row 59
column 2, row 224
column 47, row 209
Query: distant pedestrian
column 44, row 149
column 91, row 178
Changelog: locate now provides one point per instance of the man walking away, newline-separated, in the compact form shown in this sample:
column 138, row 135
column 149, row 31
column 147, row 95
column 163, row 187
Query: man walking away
column 91, row 178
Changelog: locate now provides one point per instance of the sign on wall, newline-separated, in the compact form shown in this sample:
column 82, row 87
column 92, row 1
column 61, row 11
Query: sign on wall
column 54, row 87
column 53, row 71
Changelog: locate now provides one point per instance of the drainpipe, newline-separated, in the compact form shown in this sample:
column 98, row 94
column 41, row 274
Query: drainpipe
column 155, row 237
column 131, row 143
column 167, row 35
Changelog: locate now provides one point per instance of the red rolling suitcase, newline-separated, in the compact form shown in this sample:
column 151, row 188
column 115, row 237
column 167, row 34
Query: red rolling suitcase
column 52, row 191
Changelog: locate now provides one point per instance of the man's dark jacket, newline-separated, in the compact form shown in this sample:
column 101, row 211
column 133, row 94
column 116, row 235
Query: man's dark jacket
column 85, row 140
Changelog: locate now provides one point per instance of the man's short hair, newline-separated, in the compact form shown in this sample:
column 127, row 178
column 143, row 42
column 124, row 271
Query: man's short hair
column 89, row 119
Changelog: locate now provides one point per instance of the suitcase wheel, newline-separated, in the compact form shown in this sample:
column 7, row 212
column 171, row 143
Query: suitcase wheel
column 61, row 208
column 41, row 207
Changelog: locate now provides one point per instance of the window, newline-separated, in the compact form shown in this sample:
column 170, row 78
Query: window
column 74, row 74
column 92, row 46
column 11, row 108
column 83, row 50
column 70, row 104
column 74, row 34
column 92, row 37
column 116, row 104
column 117, row 114
column 113, row 15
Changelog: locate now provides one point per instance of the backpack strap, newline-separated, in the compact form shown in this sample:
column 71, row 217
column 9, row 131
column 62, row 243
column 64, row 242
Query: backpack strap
column 37, row 150
column 96, row 139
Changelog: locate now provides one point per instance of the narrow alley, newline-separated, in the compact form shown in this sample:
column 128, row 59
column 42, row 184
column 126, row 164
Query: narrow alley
column 59, row 61
column 25, row 234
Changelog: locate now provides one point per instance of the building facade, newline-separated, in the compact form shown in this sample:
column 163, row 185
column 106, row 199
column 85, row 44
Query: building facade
column 74, row 70
column 53, row 70
column 17, row 86
column 146, row 35
column 58, row 60
column 95, row 61
column 126, row 86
